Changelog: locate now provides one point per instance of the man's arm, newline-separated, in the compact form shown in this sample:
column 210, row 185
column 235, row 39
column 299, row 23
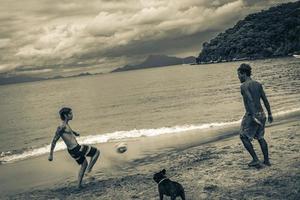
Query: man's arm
column 53, row 143
column 75, row 133
column 267, row 105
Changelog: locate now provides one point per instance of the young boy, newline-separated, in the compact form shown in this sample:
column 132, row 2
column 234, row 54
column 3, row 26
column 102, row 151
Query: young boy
column 78, row 152
column 253, row 123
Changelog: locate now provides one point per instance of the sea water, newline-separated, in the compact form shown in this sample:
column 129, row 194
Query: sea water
column 140, row 103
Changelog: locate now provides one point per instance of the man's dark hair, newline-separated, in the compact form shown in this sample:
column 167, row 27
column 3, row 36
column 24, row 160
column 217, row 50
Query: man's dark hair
column 64, row 111
column 245, row 69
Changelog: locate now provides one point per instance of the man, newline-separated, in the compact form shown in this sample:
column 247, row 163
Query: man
column 78, row 152
column 253, row 123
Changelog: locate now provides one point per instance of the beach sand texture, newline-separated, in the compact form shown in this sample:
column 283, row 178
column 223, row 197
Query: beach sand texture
column 216, row 170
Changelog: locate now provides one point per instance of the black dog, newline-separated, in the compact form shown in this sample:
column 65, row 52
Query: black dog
column 168, row 187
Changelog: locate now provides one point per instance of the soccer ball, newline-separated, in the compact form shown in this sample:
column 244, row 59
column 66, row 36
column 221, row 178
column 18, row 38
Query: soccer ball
column 121, row 147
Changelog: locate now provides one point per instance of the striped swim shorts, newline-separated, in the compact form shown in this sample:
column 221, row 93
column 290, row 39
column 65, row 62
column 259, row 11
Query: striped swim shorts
column 81, row 151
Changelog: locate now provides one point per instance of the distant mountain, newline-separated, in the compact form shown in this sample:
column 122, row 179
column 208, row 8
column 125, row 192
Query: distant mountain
column 151, row 61
column 18, row 79
column 271, row 33
column 23, row 79
column 157, row 61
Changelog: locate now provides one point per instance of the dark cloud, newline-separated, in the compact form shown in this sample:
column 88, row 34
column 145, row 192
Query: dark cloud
column 68, row 34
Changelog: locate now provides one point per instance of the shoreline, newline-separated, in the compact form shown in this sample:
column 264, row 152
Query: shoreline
column 243, row 59
column 215, row 169
column 135, row 134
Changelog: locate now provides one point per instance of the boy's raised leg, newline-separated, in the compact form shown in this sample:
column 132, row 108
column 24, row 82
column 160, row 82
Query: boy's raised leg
column 93, row 161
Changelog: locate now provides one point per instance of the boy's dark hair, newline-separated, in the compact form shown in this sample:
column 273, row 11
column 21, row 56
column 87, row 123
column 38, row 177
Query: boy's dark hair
column 64, row 111
column 245, row 69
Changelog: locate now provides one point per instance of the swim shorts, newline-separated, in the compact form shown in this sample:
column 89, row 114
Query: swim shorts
column 81, row 151
column 251, row 129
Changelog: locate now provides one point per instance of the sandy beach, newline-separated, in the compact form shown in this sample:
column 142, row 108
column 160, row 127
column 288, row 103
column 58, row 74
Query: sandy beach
column 216, row 169
column 175, row 89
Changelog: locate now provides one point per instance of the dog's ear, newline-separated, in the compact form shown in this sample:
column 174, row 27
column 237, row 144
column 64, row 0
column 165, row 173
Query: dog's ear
column 163, row 172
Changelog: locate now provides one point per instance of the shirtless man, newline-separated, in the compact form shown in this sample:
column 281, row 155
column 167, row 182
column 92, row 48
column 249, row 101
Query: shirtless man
column 78, row 152
column 253, row 123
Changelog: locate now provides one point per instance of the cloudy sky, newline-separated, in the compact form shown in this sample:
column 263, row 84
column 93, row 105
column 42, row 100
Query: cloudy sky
column 43, row 36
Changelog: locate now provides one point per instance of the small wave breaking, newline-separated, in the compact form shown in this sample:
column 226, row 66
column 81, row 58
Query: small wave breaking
column 8, row 157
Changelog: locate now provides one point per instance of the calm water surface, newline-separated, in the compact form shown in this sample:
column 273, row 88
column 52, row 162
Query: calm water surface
column 182, row 95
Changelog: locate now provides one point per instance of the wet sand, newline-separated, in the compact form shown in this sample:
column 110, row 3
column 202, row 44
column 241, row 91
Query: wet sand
column 208, row 168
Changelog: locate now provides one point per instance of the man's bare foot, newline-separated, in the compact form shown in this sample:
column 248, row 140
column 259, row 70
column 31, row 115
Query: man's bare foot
column 267, row 163
column 254, row 163
column 79, row 187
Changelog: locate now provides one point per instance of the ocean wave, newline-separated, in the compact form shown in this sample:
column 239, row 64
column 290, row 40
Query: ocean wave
column 286, row 112
column 7, row 157
column 114, row 136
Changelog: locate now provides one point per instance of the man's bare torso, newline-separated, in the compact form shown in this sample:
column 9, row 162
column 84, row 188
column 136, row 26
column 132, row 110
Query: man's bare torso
column 253, row 88
column 68, row 136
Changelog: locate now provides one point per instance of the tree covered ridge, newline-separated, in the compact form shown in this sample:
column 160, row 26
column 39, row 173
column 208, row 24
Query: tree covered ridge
column 271, row 33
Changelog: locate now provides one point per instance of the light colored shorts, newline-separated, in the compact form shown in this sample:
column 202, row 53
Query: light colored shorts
column 251, row 129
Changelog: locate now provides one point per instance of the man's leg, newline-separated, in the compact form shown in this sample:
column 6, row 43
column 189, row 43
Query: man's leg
column 93, row 161
column 81, row 172
column 248, row 145
column 264, row 148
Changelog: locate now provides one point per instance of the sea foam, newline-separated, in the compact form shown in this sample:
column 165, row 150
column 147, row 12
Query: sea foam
column 7, row 157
